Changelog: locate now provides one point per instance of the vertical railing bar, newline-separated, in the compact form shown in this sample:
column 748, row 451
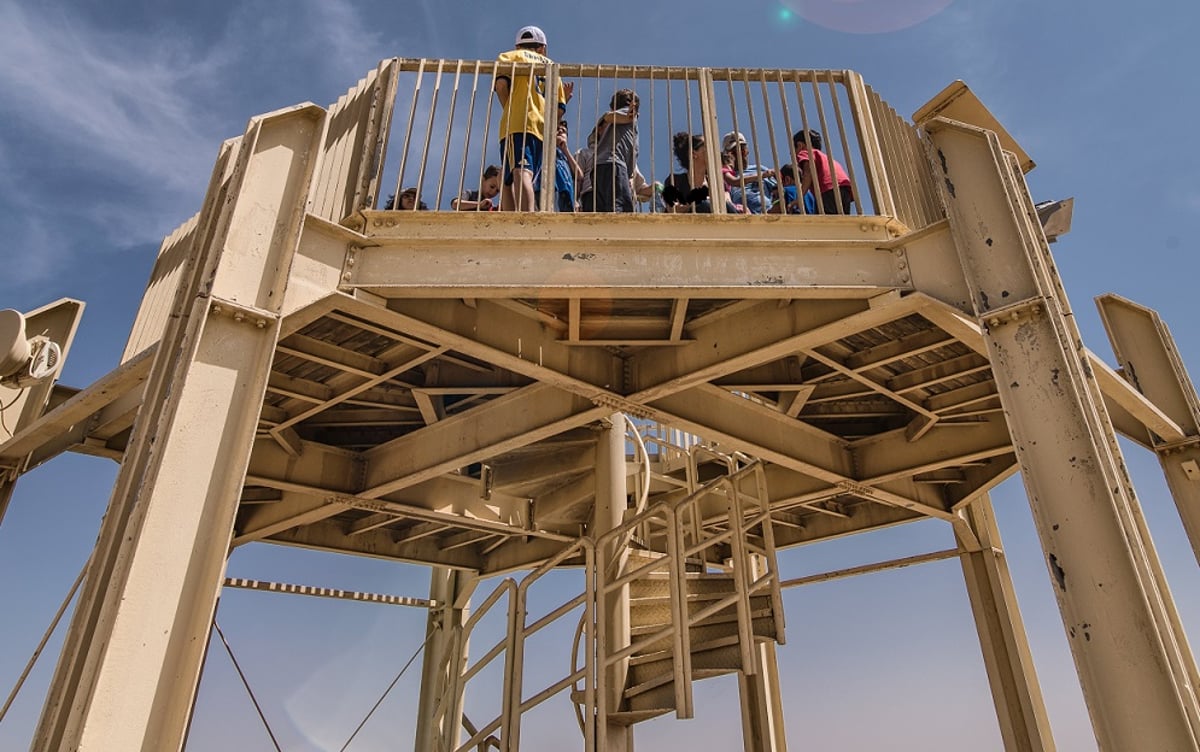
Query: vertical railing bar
column 892, row 157
column 637, row 203
column 741, row 181
column 837, row 195
column 905, row 157
column 348, row 105
column 924, row 184
column 653, row 131
column 546, row 197
column 375, row 146
column 412, row 114
column 483, row 144
column 437, row 86
column 779, row 194
column 811, row 161
column 758, row 178
column 787, row 120
column 466, row 153
column 589, row 616
column 849, row 163
column 511, row 726
column 595, row 126
column 928, row 193
column 708, row 113
column 760, row 482
column 687, row 93
column 449, row 130
column 682, row 615
column 737, row 543
column 868, row 142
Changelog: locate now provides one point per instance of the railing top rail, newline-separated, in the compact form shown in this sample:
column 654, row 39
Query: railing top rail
column 642, row 72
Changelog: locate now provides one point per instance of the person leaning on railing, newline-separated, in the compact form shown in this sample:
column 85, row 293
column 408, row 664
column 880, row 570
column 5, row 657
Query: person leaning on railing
column 803, row 140
column 687, row 192
column 566, row 173
column 616, row 140
column 480, row 200
column 522, row 119
column 749, row 185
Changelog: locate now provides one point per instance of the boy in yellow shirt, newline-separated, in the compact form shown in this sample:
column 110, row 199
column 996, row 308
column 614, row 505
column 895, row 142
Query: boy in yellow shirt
column 523, row 121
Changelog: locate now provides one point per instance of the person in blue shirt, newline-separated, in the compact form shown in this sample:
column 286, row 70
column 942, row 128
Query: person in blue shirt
column 567, row 173
column 789, row 204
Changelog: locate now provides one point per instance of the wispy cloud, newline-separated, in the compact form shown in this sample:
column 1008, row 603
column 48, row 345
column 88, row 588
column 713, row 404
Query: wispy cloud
column 122, row 125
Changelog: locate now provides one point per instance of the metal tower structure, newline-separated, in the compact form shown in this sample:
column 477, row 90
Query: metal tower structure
column 659, row 402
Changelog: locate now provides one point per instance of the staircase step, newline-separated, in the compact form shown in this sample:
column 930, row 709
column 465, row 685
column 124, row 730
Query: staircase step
column 727, row 615
column 646, row 612
column 658, row 584
column 764, row 628
column 668, row 680
column 645, row 674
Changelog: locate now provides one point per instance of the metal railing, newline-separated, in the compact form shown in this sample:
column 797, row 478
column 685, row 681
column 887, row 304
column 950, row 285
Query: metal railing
column 606, row 573
column 434, row 124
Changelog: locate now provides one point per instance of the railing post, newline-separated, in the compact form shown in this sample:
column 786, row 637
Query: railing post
column 712, row 136
column 741, row 575
column 868, row 140
column 681, row 615
column 613, row 617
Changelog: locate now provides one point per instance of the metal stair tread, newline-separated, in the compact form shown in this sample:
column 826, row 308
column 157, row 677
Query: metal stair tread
column 664, row 679
column 666, row 653
column 717, row 618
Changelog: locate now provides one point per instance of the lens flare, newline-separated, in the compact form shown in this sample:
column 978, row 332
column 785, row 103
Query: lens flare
column 867, row 16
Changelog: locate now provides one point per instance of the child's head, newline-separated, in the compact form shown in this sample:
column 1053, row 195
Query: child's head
column 407, row 200
column 624, row 98
column 813, row 137
column 562, row 127
column 787, row 175
column 490, row 187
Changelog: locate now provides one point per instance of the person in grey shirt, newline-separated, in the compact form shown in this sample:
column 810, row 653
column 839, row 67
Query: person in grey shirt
column 616, row 139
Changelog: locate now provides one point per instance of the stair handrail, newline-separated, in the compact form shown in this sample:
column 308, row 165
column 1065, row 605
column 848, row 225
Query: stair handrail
column 674, row 560
column 452, row 663
column 514, row 705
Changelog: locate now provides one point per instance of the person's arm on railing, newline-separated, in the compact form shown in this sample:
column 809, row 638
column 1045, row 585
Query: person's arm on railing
column 501, row 88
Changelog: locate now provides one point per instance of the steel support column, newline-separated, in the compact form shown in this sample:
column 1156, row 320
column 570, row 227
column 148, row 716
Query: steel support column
column 611, row 503
column 445, row 654
column 130, row 665
column 762, row 699
column 1151, row 363
column 1019, row 707
column 1134, row 663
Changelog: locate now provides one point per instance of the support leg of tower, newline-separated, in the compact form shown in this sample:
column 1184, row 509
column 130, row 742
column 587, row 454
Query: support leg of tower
column 762, row 701
column 1015, row 691
column 610, row 508
column 1134, row 663
column 440, row 689
column 1150, row 361
column 127, row 676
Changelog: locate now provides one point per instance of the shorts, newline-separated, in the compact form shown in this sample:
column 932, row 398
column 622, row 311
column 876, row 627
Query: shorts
column 520, row 151
column 612, row 188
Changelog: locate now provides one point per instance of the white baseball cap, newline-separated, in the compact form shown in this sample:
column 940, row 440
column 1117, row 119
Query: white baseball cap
column 529, row 34
column 732, row 139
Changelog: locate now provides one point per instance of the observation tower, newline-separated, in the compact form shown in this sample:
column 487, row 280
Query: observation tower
column 655, row 402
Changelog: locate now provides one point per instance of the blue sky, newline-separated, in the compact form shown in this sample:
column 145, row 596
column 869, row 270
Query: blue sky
column 112, row 115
